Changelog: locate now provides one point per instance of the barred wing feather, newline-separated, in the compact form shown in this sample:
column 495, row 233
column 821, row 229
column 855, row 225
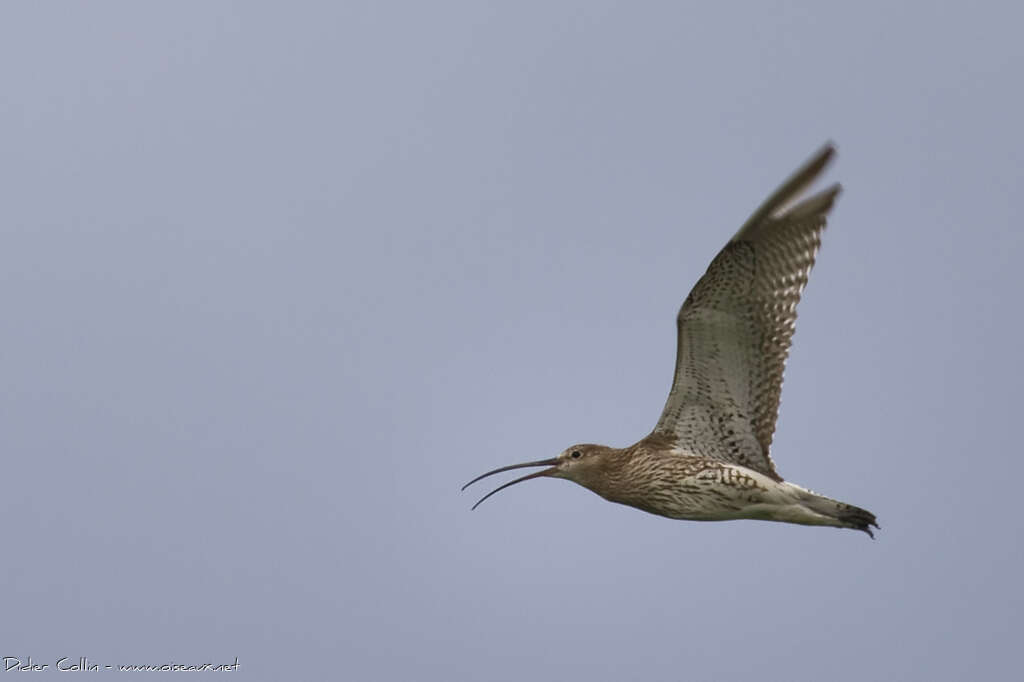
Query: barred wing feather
column 735, row 328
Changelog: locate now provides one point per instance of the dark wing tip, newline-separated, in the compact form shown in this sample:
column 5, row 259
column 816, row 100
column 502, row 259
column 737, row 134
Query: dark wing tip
column 816, row 205
column 799, row 181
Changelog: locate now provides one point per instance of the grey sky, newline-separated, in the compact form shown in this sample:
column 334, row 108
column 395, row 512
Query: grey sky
column 277, row 279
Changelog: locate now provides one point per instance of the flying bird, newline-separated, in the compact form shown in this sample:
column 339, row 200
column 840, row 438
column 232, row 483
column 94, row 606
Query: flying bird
column 708, row 456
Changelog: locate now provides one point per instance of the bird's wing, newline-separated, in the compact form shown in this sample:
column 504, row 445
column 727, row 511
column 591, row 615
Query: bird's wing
column 736, row 325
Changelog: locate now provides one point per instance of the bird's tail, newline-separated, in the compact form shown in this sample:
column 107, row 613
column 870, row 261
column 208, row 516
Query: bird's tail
column 845, row 515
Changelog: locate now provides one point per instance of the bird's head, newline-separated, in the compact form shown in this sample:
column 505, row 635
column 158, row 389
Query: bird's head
column 581, row 464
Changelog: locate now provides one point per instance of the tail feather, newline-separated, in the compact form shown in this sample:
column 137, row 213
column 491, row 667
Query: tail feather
column 847, row 515
column 855, row 517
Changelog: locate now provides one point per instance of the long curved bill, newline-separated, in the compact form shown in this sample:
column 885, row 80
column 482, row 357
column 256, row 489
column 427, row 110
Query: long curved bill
column 537, row 474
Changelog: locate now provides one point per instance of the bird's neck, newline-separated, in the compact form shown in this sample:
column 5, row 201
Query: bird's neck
column 612, row 479
column 625, row 474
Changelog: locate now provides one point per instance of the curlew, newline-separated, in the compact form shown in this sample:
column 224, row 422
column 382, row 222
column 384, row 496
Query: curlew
column 708, row 456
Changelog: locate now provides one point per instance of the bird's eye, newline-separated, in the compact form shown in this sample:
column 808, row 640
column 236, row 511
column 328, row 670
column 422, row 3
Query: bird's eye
column 576, row 454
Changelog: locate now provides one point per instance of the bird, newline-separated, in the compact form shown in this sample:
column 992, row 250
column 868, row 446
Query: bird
column 708, row 457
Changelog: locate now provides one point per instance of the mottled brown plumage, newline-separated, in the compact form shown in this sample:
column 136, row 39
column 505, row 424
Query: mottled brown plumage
column 708, row 456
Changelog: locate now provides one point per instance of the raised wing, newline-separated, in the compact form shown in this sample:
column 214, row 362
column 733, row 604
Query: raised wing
column 736, row 325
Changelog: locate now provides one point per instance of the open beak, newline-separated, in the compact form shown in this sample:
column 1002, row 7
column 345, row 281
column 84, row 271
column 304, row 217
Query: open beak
column 537, row 474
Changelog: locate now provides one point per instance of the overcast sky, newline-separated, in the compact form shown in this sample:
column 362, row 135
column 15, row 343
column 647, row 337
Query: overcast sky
column 276, row 279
